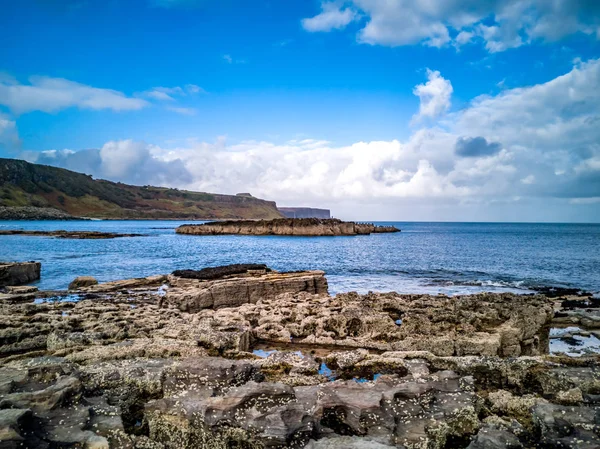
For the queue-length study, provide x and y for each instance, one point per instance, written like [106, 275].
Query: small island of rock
[285, 226]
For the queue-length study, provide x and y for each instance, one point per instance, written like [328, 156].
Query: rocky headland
[285, 226]
[246, 357]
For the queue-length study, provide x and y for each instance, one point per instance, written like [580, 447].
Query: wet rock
[82, 281]
[65, 391]
[212, 273]
[491, 437]
[12, 426]
[16, 273]
[346, 443]
[566, 426]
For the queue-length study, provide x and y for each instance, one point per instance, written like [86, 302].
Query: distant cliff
[26, 187]
[304, 212]
[285, 226]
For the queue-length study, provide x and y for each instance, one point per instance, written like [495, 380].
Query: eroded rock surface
[127, 366]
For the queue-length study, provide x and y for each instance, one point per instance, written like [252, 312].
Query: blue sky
[277, 97]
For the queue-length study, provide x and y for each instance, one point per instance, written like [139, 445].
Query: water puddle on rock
[573, 341]
[65, 298]
[324, 370]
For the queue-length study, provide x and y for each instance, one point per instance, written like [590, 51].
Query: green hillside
[24, 184]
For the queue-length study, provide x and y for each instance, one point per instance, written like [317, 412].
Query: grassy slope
[25, 184]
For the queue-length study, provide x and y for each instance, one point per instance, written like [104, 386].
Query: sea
[447, 258]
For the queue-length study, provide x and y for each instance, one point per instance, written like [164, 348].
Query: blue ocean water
[449, 258]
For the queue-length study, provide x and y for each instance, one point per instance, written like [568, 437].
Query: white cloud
[499, 24]
[537, 144]
[528, 179]
[54, 94]
[228, 59]
[434, 96]
[332, 17]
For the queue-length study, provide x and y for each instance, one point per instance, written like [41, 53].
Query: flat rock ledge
[138, 364]
[61, 234]
[308, 227]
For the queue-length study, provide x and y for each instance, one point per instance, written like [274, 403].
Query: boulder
[82, 281]
[17, 273]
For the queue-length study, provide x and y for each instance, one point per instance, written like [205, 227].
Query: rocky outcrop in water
[126, 366]
[17, 273]
[61, 234]
[285, 226]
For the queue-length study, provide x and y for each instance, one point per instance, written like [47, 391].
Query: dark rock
[12, 426]
[211, 273]
[567, 427]
[491, 437]
[16, 273]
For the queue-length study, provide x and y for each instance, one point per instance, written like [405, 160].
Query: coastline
[167, 360]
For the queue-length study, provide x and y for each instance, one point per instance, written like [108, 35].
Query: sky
[437, 110]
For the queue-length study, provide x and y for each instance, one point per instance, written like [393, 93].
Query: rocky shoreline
[62, 234]
[310, 227]
[246, 357]
[34, 213]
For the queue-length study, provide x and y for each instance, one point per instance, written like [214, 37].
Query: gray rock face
[17, 273]
[268, 414]
[567, 427]
[192, 295]
[490, 437]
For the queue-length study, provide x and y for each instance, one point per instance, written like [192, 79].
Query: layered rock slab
[193, 295]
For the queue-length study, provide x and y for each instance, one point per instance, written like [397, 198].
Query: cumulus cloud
[456, 169]
[54, 94]
[125, 161]
[333, 16]
[434, 96]
[476, 147]
[499, 24]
